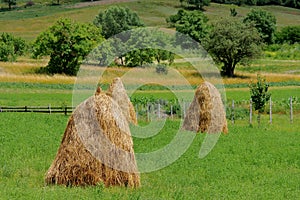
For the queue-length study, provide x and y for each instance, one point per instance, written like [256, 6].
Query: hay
[206, 112]
[118, 93]
[96, 147]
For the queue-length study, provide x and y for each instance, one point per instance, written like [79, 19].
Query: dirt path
[101, 2]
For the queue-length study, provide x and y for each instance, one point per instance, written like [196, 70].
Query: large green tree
[288, 34]
[117, 19]
[264, 22]
[231, 42]
[67, 43]
[191, 23]
[149, 45]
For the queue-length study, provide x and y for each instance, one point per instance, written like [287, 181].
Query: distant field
[29, 22]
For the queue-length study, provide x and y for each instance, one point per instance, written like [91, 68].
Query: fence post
[66, 110]
[171, 111]
[250, 112]
[136, 111]
[232, 112]
[291, 109]
[158, 112]
[25, 108]
[271, 110]
[148, 112]
[49, 107]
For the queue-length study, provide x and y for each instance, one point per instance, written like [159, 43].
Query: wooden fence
[37, 109]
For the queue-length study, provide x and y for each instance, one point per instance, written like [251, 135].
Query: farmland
[251, 162]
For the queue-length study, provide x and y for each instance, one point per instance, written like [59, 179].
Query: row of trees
[199, 4]
[230, 41]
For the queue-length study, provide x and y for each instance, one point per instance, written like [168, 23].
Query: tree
[67, 43]
[264, 22]
[117, 19]
[143, 52]
[11, 47]
[10, 3]
[231, 42]
[259, 95]
[288, 34]
[191, 23]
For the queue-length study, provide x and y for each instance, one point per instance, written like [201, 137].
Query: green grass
[249, 163]
[29, 22]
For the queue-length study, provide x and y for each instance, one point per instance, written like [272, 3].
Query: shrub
[161, 69]
[11, 47]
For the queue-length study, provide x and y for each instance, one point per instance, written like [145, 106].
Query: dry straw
[97, 145]
[206, 112]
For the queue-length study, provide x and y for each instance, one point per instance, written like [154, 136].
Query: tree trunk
[228, 70]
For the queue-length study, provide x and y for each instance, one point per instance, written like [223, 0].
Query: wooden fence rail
[37, 109]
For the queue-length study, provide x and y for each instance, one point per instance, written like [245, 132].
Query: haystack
[206, 112]
[96, 147]
[118, 93]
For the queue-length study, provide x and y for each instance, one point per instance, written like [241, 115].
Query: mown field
[248, 163]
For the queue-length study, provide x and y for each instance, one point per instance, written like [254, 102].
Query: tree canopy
[67, 43]
[191, 23]
[11, 47]
[231, 42]
[117, 19]
[199, 4]
[264, 22]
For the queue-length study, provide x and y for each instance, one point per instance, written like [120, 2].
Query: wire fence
[160, 109]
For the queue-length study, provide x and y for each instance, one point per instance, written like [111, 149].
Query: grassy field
[29, 22]
[249, 163]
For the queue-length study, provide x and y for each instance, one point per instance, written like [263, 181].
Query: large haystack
[206, 113]
[97, 147]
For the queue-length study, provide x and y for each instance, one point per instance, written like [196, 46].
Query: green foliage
[10, 3]
[259, 94]
[67, 43]
[117, 19]
[232, 42]
[288, 3]
[288, 34]
[148, 45]
[191, 23]
[11, 47]
[284, 52]
[264, 22]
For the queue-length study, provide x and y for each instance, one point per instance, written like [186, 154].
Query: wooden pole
[250, 111]
[271, 120]
[158, 112]
[232, 112]
[291, 109]
[171, 111]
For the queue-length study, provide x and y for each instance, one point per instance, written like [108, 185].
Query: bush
[11, 47]
[288, 34]
[161, 69]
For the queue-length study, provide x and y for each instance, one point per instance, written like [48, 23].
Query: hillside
[29, 22]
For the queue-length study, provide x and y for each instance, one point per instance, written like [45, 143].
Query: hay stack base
[97, 145]
[206, 113]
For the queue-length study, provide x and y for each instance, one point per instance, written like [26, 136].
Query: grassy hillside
[29, 22]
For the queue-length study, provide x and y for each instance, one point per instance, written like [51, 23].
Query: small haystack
[97, 146]
[206, 113]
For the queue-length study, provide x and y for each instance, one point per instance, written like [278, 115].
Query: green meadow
[251, 162]
[248, 163]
